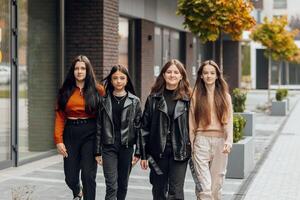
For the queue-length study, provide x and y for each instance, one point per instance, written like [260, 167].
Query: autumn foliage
[207, 19]
[279, 42]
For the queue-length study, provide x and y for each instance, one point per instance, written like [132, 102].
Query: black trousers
[170, 184]
[79, 138]
[116, 168]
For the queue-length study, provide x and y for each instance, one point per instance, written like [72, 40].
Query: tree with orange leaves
[280, 44]
[209, 19]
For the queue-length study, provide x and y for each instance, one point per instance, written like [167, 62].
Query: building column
[145, 56]
[187, 54]
[231, 62]
[39, 54]
[91, 29]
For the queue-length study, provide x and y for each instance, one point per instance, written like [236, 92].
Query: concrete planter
[279, 108]
[241, 159]
[249, 128]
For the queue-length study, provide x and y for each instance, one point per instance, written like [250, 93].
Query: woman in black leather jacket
[165, 135]
[118, 126]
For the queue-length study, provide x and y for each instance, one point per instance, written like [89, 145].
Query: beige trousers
[210, 165]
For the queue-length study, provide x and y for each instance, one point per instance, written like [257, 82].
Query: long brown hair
[202, 107]
[183, 89]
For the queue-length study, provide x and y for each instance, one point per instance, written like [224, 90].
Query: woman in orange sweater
[210, 125]
[75, 127]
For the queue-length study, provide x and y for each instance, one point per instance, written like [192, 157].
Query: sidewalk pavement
[278, 177]
[46, 179]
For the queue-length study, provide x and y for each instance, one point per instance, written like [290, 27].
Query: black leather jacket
[130, 123]
[155, 127]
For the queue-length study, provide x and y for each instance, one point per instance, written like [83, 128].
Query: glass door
[5, 86]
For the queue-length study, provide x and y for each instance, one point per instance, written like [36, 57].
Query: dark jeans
[79, 136]
[116, 168]
[170, 184]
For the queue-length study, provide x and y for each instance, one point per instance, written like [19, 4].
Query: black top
[117, 107]
[169, 96]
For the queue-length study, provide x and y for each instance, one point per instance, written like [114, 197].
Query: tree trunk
[279, 73]
[269, 78]
[287, 72]
[221, 51]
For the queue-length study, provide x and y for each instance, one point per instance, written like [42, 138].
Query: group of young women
[104, 124]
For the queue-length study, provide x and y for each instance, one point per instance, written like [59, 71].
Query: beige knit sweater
[215, 128]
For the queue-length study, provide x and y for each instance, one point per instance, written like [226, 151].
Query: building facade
[283, 74]
[39, 39]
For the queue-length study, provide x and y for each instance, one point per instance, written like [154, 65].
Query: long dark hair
[183, 89]
[202, 107]
[109, 88]
[90, 92]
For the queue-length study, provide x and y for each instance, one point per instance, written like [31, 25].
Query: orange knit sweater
[75, 108]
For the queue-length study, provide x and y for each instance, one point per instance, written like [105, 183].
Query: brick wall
[91, 29]
[145, 55]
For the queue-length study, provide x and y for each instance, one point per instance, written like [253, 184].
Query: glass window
[275, 73]
[38, 75]
[166, 46]
[279, 4]
[195, 60]
[294, 74]
[174, 43]
[123, 41]
[198, 57]
[5, 80]
[258, 17]
[157, 50]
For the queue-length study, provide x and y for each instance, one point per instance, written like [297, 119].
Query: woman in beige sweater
[210, 123]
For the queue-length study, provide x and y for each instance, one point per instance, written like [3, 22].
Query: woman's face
[209, 75]
[119, 81]
[80, 71]
[172, 77]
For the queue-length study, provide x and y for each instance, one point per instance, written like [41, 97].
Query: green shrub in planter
[285, 92]
[239, 124]
[238, 100]
[281, 94]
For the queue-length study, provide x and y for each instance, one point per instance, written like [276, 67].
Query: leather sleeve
[98, 148]
[137, 128]
[146, 127]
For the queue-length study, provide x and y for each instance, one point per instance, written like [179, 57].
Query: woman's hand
[144, 164]
[227, 148]
[62, 149]
[135, 159]
[99, 160]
